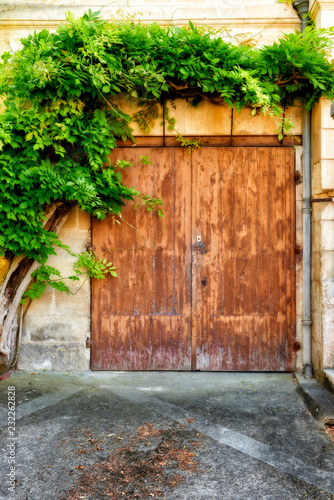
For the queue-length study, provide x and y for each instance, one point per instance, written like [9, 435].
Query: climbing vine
[62, 117]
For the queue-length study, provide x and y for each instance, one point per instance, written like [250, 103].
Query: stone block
[326, 121]
[11, 37]
[299, 310]
[328, 323]
[61, 255]
[246, 124]
[78, 220]
[316, 133]
[54, 357]
[316, 179]
[316, 266]
[327, 235]
[316, 296]
[130, 108]
[327, 143]
[72, 221]
[73, 305]
[65, 266]
[295, 114]
[316, 236]
[299, 158]
[50, 329]
[327, 174]
[299, 360]
[317, 340]
[43, 306]
[328, 295]
[299, 193]
[84, 220]
[317, 356]
[261, 124]
[77, 239]
[206, 119]
[326, 17]
[327, 212]
[327, 265]
[317, 209]
[312, 4]
[299, 222]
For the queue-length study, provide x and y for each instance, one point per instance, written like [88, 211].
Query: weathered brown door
[212, 285]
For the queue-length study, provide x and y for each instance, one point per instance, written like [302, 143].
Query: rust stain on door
[214, 286]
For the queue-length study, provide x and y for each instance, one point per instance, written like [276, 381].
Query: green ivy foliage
[60, 121]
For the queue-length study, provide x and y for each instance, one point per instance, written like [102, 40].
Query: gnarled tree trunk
[14, 284]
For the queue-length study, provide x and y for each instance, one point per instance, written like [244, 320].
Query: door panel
[142, 319]
[212, 285]
[243, 271]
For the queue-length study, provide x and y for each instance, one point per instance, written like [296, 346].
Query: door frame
[254, 141]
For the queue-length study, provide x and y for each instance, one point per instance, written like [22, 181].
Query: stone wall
[323, 217]
[57, 326]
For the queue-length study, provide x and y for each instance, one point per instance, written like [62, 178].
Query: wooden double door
[211, 286]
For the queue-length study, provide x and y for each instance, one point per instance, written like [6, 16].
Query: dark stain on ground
[149, 465]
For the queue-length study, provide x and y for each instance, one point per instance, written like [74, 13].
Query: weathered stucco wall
[56, 327]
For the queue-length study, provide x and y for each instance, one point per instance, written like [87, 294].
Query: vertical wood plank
[228, 160]
[251, 227]
[264, 231]
[240, 230]
[280, 246]
[164, 243]
[206, 297]
[271, 334]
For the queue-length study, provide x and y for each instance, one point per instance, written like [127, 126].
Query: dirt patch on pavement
[330, 431]
[150, 464]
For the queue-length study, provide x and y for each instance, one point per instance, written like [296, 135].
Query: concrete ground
[169, 435]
